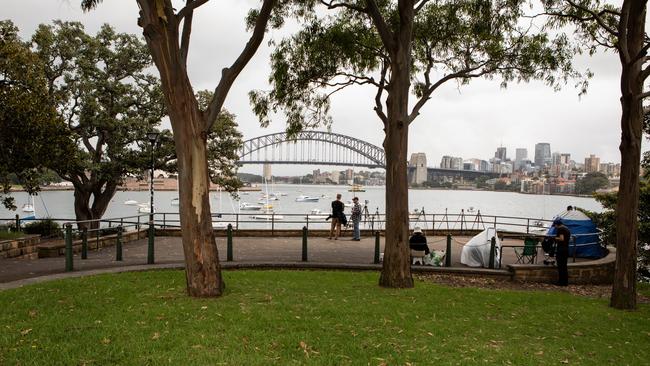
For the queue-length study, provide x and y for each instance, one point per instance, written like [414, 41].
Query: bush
[47, 228]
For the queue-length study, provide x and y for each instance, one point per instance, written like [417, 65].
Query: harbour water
[59, 204]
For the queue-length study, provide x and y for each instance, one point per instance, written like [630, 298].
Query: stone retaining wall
[20, 248]
[596, 272]
[56, 249]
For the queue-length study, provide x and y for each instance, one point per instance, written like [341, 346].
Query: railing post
[122, 223]
[575, 248]
[138, 222]
[229, 243]
[118, 245]
[527, 226]
[68, 247]
[84, 243]
[448, 252]
[493, 243]
[495, 222]
[273, 224]
[237, 221]
[164, 220]
[307, 225]
[304, 243]
[17, 222]
[377, 247]
[150, 244]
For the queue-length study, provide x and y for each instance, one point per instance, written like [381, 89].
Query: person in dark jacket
[418, 241]
[337, 217]
[562, 237]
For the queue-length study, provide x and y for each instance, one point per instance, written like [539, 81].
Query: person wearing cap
[356, 219]
[562, 236]
[418, 241]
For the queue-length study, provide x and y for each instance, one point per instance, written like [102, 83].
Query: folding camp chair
[417, 256]
[527, 254]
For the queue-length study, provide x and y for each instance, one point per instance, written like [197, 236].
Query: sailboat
[29, 208]
[267, 212]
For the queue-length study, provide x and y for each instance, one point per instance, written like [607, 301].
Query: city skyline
[468, 121]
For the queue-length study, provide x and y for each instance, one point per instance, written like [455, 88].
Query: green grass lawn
[8, 235]
[310, 317]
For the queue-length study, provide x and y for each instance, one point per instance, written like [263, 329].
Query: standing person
[562, 237]
[356, 218]
[337, 214]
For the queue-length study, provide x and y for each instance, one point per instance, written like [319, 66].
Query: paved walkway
[246, 250]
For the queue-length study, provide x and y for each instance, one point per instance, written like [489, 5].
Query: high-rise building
[500, 153]
[451, 162]
[592, 164]
[266, 169]
[521, 155]
[335, 176]
[542, 154]
[419, 161]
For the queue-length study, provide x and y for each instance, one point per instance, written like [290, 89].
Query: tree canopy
[30, 126]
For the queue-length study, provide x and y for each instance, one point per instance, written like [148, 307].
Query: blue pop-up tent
[585, 232]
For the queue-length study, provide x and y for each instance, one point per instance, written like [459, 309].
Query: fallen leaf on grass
[25, 331]
[155, 336]
[106, 341]
[565, 361]
[539, 353]
[33, 313]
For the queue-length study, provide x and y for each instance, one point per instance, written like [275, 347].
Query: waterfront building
[419, 162]
[592, 164]
[542, 154]
[451, 162]
[610, 169]
[335, 176]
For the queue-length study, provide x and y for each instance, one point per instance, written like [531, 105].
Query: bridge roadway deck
[245, 250]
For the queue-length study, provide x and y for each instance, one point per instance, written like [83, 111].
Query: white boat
[471, 209]
[307, 199]
[131, 202]
[267, 216]
[245, 206]
[316, 214]
[176, 202]
[220, 225]
[416, 214]
[356, 188]
[144, 208]
[28, 207]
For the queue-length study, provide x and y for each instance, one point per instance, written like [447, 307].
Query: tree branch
[188, 9]
[382, 28]
[622, 32]
[419, 6]
[228, 75]
[596, 16]
[187, 29]
[380, 89]
[331, 5]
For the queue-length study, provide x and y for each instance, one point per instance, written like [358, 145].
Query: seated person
[418, 241]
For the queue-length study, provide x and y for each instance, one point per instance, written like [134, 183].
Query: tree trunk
[82, 210]
[396, 269]
[202, 269]
[624, 286]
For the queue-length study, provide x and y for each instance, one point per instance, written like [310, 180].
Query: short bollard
[118, 245]
[448, 252]
[150, 245]
[68, 248]
[84, 243]
[493, 244]
[304, 243]
[377, 247]
[229, 243]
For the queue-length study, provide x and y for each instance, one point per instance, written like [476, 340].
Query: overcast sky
[470, 121]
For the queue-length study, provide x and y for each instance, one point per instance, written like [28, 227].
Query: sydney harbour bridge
[327, 148]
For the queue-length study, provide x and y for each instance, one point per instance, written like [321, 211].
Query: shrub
[46, 228]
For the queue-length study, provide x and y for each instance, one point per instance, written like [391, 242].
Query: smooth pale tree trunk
[624, 287]
[396, 269]
[202, 269]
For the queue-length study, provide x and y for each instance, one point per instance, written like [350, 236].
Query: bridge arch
[359, 153]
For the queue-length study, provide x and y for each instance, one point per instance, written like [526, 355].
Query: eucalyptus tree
[167, 32]
[406, 50]
[106, 100]
[623, 30]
